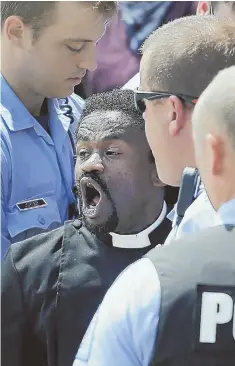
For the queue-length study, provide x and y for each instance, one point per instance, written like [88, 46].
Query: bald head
[214, 137]
[215, 110]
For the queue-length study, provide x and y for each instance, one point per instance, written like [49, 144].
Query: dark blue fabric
[142, 18]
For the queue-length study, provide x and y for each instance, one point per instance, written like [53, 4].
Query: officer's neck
[222, 188]
[32, 101]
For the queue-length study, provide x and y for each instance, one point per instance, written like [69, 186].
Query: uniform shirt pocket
[30, 222]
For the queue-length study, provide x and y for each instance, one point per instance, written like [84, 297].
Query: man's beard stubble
[112, 220]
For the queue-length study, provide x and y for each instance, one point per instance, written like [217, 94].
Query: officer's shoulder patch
[214, 320]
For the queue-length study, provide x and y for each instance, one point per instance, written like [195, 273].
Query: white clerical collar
[140, 240]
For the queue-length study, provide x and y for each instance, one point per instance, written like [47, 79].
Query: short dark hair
[38, 14]
[116, 100]
[184, 56]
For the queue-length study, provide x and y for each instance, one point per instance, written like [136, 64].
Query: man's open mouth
[91, 196]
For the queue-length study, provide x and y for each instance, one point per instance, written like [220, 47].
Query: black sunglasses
[141, 95]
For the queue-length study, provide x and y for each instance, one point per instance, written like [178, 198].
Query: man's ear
[216, 148]
[14, 28]
[177, 116]
[203, 8]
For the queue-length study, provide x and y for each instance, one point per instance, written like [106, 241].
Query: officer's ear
[14, 29]
[203, 8]
[177, 116]
[216, 153]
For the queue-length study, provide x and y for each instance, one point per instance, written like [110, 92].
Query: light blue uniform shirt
[124, 329]
[199, 215]
[34, 165]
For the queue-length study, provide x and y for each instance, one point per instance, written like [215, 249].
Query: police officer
[46, 49]
[176, 306]
[196, 211]
[200, 214]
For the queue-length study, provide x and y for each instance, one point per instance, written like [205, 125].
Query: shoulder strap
[68, 112]
[189, 184]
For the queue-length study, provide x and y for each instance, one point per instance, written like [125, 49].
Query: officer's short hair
[216, 106]
[183, 56]
[116, 100]
[39, 14]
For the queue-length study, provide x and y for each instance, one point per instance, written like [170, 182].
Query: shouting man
[53, 283]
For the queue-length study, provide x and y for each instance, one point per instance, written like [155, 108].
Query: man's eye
[83, 154]
[112, 152]
[75, 50]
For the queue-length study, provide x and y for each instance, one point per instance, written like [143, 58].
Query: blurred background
[118, 52]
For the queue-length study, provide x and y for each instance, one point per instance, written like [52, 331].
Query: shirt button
[41, 220]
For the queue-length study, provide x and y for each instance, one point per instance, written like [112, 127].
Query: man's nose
[93, 164]
[88, 59]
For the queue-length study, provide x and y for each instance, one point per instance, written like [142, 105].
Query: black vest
[197, 313]
[52, 285]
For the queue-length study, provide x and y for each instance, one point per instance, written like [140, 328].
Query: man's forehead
[103, 125]
[80, 22]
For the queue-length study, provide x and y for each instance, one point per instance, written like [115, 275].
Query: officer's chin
[61, 93]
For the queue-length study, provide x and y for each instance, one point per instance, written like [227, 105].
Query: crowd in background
[118, 51]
